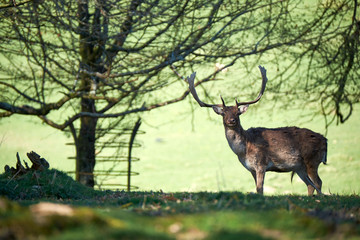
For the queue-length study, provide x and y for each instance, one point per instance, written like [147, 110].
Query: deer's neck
[236, 138]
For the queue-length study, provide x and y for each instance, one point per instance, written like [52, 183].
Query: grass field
[50, 205]
[191, 185]
[183, 216]
[192, 153]
[188, 152]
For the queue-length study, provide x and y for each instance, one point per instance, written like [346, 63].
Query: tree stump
[38, 163]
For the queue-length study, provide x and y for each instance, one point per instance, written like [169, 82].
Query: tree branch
[15, 4]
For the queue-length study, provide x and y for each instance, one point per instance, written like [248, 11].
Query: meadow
[191, 185]
[50, 205]
[190, 153]
[184, 149]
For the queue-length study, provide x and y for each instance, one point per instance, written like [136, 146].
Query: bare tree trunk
[85, 150]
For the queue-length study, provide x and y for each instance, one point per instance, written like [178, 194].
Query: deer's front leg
[260, 175]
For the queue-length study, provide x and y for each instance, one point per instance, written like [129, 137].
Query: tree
[85, 65]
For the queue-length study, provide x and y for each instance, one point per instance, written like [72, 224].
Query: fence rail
[102, 177]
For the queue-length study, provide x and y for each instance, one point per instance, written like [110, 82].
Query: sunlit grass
[184, 151]
[191, 153]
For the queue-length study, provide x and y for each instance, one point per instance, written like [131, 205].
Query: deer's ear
[218, 110]
[243, 108]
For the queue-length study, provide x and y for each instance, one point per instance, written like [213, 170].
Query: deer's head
[230, 114]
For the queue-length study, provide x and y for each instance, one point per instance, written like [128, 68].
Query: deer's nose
[232, 121]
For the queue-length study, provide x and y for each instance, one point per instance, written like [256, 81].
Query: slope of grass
[43, 184]
[83, 213]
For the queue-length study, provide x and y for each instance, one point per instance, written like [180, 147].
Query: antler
[264, 81]
[190, 80]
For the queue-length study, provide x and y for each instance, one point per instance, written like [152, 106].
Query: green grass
[184, 151]
[205, 190]
[188, 152]
[23, 134]
[78, 212]
[207, 216]
[48, 184]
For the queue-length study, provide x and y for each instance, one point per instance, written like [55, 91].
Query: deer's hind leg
[312, 172]
[306, 179]
[259, 176]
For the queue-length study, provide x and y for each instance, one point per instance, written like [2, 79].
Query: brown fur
[287, 149]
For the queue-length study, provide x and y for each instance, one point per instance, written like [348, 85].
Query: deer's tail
[292, 175]
[324, 158]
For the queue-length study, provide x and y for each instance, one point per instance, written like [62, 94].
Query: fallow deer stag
[286, 149]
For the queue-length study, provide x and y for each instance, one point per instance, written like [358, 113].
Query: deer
[284, 149]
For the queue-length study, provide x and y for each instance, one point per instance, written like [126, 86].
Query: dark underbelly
[275, 169]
